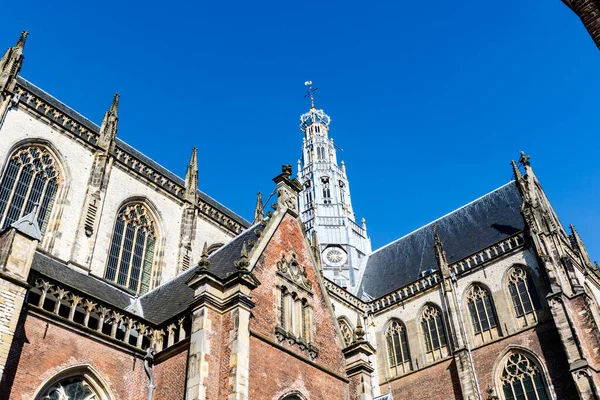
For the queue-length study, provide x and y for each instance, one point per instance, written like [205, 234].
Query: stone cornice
[87, 131]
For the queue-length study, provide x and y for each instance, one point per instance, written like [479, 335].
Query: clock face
[335, 256]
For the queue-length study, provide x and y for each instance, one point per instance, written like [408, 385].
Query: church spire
[110, 124]
[580, 246]
[11, 63]
[258, 210]
[191, 177]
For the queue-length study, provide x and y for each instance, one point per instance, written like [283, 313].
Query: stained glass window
[522, 379]
[397, 346]
[69, 389]
[481, 309]
[31, 177]
[433, 328]
[132, 248]
[523, 293]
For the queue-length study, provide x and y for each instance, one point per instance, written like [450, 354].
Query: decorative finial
[110, 124]
[21, 42]
[204, 261]
[191, 177]
[242, 264]
[524, 160]
[310, 93]
[258, 209]
[286, 169]
[359, 332]
[440, 254]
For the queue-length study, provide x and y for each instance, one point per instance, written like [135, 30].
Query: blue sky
[430, 101]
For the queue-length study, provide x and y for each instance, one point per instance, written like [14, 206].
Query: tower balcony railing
[321, 165]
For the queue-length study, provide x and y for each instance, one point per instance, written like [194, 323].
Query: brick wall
[47, 349]
[439, 381]
[272, 370]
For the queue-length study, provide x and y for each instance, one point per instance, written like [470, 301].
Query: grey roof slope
[463, 232]
[174, 296]
[126, 147]
[81, 282]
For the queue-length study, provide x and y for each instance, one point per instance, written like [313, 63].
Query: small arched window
[31, 177]
[70, 389]
[523, 293]
[132, 248]
[522, 379]
[397, 346]
[433, 328]
[346, 331]
[481, 310]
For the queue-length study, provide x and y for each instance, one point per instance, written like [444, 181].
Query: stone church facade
[120, 280]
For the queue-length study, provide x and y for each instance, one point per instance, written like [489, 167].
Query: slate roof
[174, 296]
[86, 284]
[126, 147]
[463, 232]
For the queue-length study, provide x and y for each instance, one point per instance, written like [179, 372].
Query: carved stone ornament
[287, 199]
[294, 271]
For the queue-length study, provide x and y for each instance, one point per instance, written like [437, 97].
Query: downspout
[148, 361]
[464, 332]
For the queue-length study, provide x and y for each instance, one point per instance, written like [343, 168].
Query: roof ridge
[94, 125]
[440, 218]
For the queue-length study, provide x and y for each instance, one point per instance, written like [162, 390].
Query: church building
[120, 280]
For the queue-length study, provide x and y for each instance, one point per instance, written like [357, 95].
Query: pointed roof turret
[110, 124]
[359, 332]
[258, 210]
[580, 246]
[204, 261]
[191, 177]
[243, 263]
[11, 63]
[28, 225]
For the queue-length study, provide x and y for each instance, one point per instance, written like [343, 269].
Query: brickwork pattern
[48, 349]
[269, 377]
[589, 12]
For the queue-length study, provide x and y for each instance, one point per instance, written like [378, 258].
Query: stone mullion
[89, 307]
[26, 196]
[181, 329]
[171, 333]
[119, 258]
[12, 193]
[44, 287]
[142, 262]
[133, 243]
[75, 302]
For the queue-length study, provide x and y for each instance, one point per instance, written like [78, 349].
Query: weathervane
[310, 93]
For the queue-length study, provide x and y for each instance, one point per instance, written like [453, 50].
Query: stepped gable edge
[465, 231]
[43, 103]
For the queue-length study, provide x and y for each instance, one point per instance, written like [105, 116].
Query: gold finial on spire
[310, 93]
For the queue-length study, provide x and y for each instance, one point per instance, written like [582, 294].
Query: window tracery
[481, 309]
[70, 389]
[522, 379]
[433, 328]
[397, 346]
[132, 248]
[347, 333]
[522, 291]
[31, 177]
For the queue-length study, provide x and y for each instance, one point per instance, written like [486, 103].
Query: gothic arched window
[70, 389]
[346, 331]
[132, 248]
[481, 310]
[522, 379]
[433, 328]
[326, 193]
[397, 346]
[523, 293]
[31, 177]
